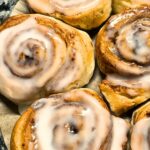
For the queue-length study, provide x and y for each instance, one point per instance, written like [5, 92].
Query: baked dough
[119, 6]
[41, 55]
[141, 128]
[79, 116]
[123, 55]
[84, 14]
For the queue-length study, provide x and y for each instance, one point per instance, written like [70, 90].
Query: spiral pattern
[37, 53]
[123, 46]
[74, 120]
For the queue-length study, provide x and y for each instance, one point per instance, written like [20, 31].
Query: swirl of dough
[124, 44]
[36, 55]
[77, 120]
[123, 55]
[76, 13]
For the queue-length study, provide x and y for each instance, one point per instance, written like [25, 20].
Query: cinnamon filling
[31, 53]
[132, 42]
[69, 123]
[128, 50]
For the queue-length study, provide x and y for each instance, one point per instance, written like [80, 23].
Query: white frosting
[116, 19]
[91, 119]
[119, 134]
[9, 84]
[55, 60]
[142, 38]
[141, 81]
[67, 7]
[132, 49]
[134, 37]
[140, 134]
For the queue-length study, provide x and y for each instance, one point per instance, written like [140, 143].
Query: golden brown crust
[122, 5]
[21, 135]
[119, 6]
[99, 99]
[85, 20]
[77, 45]
[107, 50]
[141, 113]
[124, 62]
[121, 98]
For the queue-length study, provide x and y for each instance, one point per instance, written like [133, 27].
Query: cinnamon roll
[119, 6]
[123, 54]
[40, 55]
[84, 14]
[75, 120]
[140, 139]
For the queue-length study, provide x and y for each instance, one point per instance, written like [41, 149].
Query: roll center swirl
[28, 50]
[31, 53]
[133, 42]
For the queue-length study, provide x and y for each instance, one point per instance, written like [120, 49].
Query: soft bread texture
[41, 52]
[119, 6]
[123, 61]
[70, 115]
[86, 14]
[78, 116]
[121, 98]
[114, 52]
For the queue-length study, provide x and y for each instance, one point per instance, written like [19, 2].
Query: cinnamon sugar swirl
[76, 120]
[40, 55]
[123, 54]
